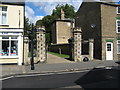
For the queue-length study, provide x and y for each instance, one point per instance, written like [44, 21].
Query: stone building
[100, 21]
[61, 32]
[11, 32]
[41, 48]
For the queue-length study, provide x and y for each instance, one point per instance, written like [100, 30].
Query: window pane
[118, 42]
[6, 37]
[14, 48]
[118, 9]
[5, 48]
[118, 48]
[108, 47]
[118, 29]
[118, 23]
[3, 18]
[4, 8]
[13, 37]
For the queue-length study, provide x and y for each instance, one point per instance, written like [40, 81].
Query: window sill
[118, 13]
[4, 57]
[118, 32]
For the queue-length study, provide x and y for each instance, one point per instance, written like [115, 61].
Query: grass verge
[59, 55]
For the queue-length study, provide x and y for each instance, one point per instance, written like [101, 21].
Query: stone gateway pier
[75, 43]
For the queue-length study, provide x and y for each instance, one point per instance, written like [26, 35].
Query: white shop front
[11, 48]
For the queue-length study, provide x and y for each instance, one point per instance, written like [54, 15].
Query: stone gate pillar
[26, 50]
[91, 48]
[77, 44]
[41, 48]
[71, 48]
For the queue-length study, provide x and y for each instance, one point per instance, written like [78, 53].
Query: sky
[37, 9]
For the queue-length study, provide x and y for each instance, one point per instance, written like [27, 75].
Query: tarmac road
[95, 78]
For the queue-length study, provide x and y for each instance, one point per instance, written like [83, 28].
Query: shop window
[3, 15]
[8, 46]
[14, 46]
[5, 48]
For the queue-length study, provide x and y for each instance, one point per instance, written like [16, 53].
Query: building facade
[100, 21]
[61, 31]
[11, 32]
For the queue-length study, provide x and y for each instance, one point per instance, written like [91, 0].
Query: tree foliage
[28, 26]
[68, 10]
[56, 14]
[39, 23]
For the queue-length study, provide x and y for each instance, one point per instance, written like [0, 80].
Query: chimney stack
[62, 14]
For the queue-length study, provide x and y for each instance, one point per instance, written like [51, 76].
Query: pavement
[53, 65]
[55, 59]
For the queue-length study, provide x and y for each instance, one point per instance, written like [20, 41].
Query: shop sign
[6, 33]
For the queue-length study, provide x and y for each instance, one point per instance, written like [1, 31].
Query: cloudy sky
[37, 9]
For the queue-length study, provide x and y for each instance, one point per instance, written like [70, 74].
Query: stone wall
[60, 48]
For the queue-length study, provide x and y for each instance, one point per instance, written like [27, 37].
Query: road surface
[95, 78]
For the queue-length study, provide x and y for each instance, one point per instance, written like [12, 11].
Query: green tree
[56, 14]
[27, 26]
[68, 9]
[29, 33]
[47, 21]
[39, 23]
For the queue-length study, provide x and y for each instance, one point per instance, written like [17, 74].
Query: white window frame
[1, 12]
[117, 26]
[117, 10]
[117, 46]
[10, 40]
